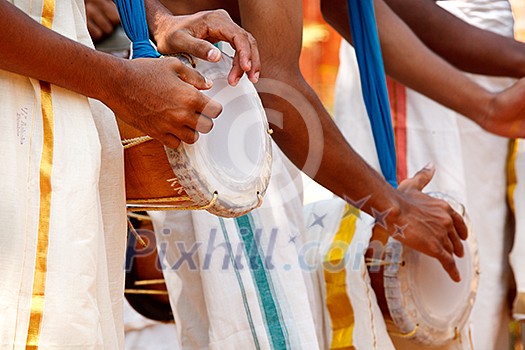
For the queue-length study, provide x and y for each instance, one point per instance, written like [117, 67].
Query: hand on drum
[161, 98]
[506, 112]
[429, 225]
[194, 34]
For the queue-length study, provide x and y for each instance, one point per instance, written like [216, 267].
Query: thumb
[420, 179]
[199, 48]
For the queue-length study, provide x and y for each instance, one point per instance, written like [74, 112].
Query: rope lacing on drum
[260, 200]
[405, 335]
[174, 181]
[132, 208]
[146, 291]
[139, 217]
[149, 282]
[135, 233]
[379, 262]
[128, 143]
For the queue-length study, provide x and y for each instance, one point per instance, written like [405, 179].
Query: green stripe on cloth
[272, 314]
[241, 284]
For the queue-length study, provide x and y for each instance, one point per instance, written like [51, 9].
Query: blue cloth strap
[133, 19]
[373, 83]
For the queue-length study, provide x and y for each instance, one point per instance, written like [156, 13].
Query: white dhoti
[352, 317]
[516, 192]
[239, 283]
[62, 207]
[517, 202]
[471, 163]
[145, 334]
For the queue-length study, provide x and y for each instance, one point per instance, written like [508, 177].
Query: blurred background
[320, 54]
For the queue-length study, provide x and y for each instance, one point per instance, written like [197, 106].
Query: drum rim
[402, 306]
[196, 185]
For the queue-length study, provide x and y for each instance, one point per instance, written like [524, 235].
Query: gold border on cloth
[337, 299]
[46, 165]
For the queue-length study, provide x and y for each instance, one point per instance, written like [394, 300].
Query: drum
[417, 297]
[225, 172]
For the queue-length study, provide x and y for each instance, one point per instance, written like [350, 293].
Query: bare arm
[147, 94]
[409, 61]
[26, 48]
[467, 47]
[413, 64]
[309, 133]
[306, 133]
[302, 126]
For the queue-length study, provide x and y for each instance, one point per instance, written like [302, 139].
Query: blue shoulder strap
[133, 19]
[373, 83]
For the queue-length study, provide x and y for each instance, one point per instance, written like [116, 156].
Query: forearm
[156, 15]
[307, 134]
[463, 45]
[302, 127]
[30, 49]
[413, 64]
[467, 47]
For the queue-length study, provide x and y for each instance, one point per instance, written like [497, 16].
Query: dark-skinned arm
[148, 94]
[467, 47]
[306, 133]
[410, 62]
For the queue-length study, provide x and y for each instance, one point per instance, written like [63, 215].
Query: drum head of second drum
[425, 304]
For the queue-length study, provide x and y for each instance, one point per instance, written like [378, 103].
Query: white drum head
[234, 159]
[424, 303]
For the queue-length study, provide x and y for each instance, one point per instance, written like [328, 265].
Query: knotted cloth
[133, 19]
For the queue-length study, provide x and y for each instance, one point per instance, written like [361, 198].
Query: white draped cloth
[344, 287]
[517, 201]
[145, 334]
[471, 163]
[62, 208]
[241, 283]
